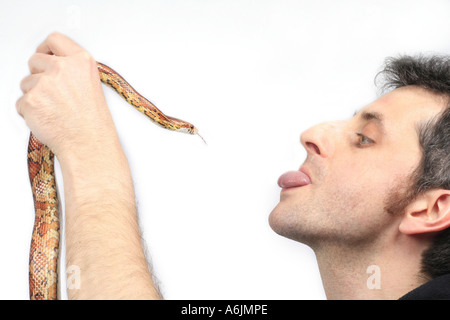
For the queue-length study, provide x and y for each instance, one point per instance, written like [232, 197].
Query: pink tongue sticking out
[293, 179]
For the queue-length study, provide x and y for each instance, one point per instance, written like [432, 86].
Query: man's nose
[321, 139]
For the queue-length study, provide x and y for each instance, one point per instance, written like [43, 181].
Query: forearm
[102, 232]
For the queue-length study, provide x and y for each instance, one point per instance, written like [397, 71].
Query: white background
[251, 75]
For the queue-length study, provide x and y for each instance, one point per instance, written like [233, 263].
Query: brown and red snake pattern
[44, 250]
[45, 239]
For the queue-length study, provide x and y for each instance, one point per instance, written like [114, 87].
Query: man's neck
[371, 272]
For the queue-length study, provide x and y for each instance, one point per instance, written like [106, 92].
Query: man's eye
[363, 140]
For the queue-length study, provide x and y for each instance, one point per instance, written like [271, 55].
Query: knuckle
[86, 58]
[25, 103]
[29, 100]
[23, 84]
[30, 60]
[54, 36]
[19, 108]
[85, 55]
[87, 62]
[57, 65]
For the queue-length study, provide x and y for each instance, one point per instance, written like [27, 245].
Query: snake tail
[44, 249]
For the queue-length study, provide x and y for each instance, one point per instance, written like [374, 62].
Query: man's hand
[63, 102]
[64, 106]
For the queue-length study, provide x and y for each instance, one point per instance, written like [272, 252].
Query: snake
[45, 240]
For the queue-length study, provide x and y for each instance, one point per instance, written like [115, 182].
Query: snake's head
[186, 127]
[193, 130]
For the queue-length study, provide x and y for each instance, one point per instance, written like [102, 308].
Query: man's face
[354, 166]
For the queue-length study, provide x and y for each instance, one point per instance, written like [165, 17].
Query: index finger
[59, 45]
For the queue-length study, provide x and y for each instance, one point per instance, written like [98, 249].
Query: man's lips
[292, 179]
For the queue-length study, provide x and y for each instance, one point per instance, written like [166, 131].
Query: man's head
[384, 170]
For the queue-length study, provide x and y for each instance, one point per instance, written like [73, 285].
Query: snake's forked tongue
[201, 137]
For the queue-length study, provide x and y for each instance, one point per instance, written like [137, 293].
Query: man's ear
[429, 212]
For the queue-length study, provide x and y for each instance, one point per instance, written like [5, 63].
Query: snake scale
[44, 249]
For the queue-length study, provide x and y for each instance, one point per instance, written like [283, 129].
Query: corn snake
[44, 249]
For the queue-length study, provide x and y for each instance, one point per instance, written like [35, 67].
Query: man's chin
[283, 223]
[296, 222]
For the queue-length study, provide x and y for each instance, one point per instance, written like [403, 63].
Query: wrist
[94, 172]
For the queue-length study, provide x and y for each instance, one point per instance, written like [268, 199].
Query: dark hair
[433, 172]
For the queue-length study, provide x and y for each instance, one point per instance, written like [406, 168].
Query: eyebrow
[376, 117]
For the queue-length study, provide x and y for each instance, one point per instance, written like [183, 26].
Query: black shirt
[436, 289]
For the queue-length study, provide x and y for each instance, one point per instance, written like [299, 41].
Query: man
[373, 193]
